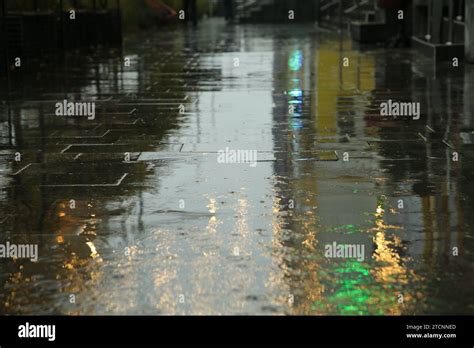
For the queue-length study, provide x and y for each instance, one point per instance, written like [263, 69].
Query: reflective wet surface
[134, 214]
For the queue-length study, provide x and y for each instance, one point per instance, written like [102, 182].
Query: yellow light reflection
[94, 254]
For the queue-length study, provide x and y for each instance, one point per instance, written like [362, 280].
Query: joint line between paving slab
[67, 148]
[118, 183]
[22, 169]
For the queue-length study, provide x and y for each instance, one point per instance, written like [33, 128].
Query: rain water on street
[134, 213]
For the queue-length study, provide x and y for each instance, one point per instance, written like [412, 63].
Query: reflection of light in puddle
[89, 229]
[296, 123]
[94, 254]
[164, 277]
[391, 269]
[212, 206]
[310, 240]
[242, 220]
[212, 225]
[380, 223]
[380, 212]
[213, 221]
[296, 60]
[296, 93]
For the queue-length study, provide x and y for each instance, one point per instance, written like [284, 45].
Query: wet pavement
[133, 212]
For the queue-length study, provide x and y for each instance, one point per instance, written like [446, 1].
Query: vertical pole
[429, 20]
[450, 22]
[437, 17]
[459, 16]
[340, 15]
[469, 31]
